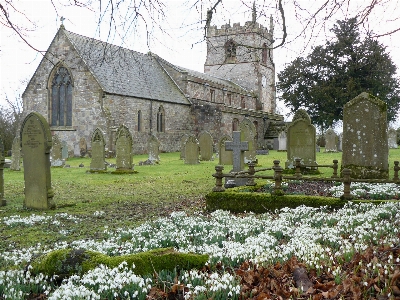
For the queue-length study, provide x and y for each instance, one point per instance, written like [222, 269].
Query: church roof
[126, 72]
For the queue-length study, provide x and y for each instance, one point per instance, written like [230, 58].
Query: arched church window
[61, 98]
[264, 54]
[139, 121]
[235, 124]
[161, 119]
[230, 50]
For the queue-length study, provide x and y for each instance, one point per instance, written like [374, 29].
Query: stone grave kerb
[238, 148]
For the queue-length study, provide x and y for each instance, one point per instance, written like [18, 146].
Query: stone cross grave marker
[206, 146]
[225, 157]
[123, 148]
[153, 146]
[331, 139]
[16, 154]
[64, 150]
[192, 151]
[365, 141]
[98, 151]
[237, 147]
[36, 142]
[56, 154]
[3, 202]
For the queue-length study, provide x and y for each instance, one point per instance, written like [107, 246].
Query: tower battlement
[236, 28]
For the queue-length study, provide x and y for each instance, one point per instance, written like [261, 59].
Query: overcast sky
[181, 41]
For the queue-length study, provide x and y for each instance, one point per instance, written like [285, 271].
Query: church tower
[243, 54]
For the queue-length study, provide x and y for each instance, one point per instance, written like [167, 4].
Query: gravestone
[123, 148]
[206, 146]
[331, 141]
[64, 150]
[3, 202]
[98, 163]
[365, 142]
[16, 155]
[182, 146]
[82, 147]
[36, 142]
[282, 141]
[225, 157]
[392, 138]
[191, 151]
[56, 153]
[238, 149]
[301, 141]
[339, 143]
[77, 151]
[276, 144]
[248, 133]
[153, 146]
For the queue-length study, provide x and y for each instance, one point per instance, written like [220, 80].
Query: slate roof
[126, 72]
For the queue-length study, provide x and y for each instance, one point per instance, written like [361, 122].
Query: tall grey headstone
[123, 148]
[301, 138]
[192, 151]
[248, 133]
[365, 141]
[153, 146]
[331, 141]
[56, 153]
[36, 142]
[392, 138]
[182, 146]
[64, 150]
[16, 155]
[206, 146]
[98, 143]
[225, 157]
[3, 201]
[282, 141]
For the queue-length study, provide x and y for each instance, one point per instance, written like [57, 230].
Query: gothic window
[61, 98]
[264, 54]
[161, 119]
[229, 99]
[139, 121]
[230, 50]
[235, 124]
[212, 95]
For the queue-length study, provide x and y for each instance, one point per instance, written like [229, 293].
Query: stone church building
[83, 83]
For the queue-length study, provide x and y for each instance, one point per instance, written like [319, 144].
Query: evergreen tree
[337, 72]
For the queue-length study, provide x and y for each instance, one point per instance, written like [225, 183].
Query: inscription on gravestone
[36, 142]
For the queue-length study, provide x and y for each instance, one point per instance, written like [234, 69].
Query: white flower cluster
[374, 191]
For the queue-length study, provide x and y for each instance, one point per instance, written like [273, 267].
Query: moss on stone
[67, 262]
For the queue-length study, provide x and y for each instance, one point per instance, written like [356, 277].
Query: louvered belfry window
[61, 98]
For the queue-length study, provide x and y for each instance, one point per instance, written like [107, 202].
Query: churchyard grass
[119, 214]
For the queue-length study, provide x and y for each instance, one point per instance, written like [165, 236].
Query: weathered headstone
[16, 155]
[301, 141]
[64, 150]
[206, 146]
[282, 141]
[56, 154]
[365, 141]
[192, 151]
[98, 143]
[123, 149]
[182, 146]
[331, 141]
[153, 146]
[225, 157]
[238, 149]
[77, 151]
[392, 138]
[339, 143]
[276, 144]
[82, 147]
[248, 133]
[3, 202]
[36, 142]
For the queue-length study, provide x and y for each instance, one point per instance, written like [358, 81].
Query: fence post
[396, 171]
[298, 169]
[218, 179]
[278, 178]
[335, 168]
[346, 184]
[252, 171]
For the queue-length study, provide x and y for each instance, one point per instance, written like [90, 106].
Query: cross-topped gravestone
[2, 200]
[237, 147]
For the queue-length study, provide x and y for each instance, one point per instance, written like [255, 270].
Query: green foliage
[337, 72]
[66, 262]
